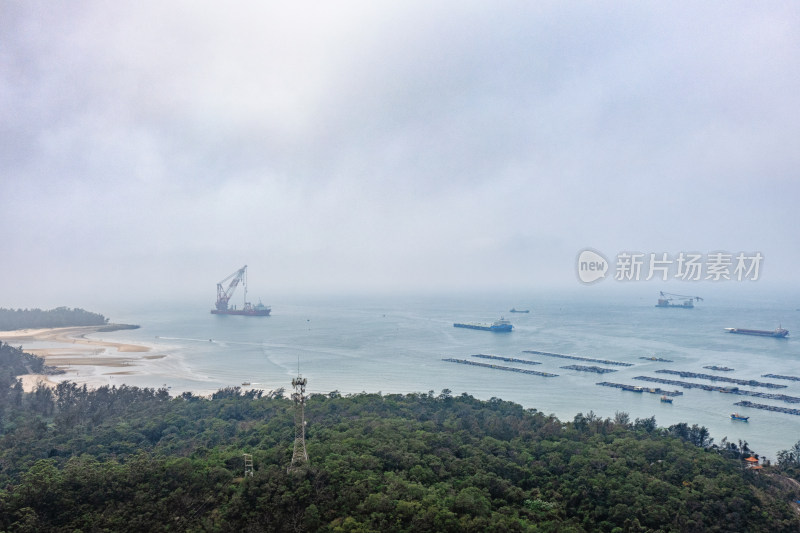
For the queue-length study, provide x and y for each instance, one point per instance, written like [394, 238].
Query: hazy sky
[150, 149]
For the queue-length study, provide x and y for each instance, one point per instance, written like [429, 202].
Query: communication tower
[248, 465]
[299, 455]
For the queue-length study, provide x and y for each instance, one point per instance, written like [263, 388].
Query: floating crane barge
[224, 295]
[677, 300]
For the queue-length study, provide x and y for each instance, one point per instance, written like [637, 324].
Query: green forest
[136, 459]
[11, 319]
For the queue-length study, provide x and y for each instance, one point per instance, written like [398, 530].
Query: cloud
[389, 145]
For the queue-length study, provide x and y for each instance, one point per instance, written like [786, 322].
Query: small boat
[245, 383]
[666, 399]
[737, 416]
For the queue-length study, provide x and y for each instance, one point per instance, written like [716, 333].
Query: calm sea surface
[396, 345]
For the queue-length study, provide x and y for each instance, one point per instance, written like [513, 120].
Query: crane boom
[224, 294]
[681, 296]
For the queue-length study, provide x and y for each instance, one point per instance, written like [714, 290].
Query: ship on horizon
[224, 295]
[778, 333]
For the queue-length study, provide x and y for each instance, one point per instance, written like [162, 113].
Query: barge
[497, 326]
[778, 333]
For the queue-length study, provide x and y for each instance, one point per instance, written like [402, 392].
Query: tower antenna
[299, 455]
[248, 465]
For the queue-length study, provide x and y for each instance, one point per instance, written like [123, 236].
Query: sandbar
[73, 350]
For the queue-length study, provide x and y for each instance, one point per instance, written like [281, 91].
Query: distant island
[60, 317]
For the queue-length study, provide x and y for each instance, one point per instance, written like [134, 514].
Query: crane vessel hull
[244, 312]
[684, 305]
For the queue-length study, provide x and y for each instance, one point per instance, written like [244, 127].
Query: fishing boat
[666, 399]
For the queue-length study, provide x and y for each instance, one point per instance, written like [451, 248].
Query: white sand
[78, 357]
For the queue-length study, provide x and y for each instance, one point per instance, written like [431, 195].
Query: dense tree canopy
[11, 319]
[133, 459]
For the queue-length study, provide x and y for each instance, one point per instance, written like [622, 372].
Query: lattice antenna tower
[248, 465]
[299, 455]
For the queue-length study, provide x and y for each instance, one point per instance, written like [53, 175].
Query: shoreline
[69, 350]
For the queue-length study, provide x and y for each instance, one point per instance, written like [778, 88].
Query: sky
[150, 149]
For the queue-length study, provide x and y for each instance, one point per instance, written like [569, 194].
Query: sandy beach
[69, 350]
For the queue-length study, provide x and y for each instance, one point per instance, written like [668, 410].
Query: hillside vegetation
[132, 459]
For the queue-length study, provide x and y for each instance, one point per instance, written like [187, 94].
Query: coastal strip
[775, 408]
[711, 377]
[500, 367]
[578, 358]
[77, 352]
[635, 388]
[726, 390]
[584, 368]
[506, 359]
[72, 335]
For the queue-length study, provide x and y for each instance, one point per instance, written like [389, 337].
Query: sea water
[397, 345]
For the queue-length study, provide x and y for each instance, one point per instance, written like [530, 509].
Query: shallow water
[397, 345]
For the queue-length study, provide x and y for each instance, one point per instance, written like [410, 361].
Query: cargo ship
[778, 333]
[514, 310]
[224, 295]
[737, 416]
[498, 326]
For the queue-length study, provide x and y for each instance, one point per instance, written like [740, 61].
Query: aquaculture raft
[500, 367]
[659, 359]
[727, 390]
[578, 358]
[635, 388]
[712, 377]
[584, 368]
[775, 408]
[778, 376]
[506, 359]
